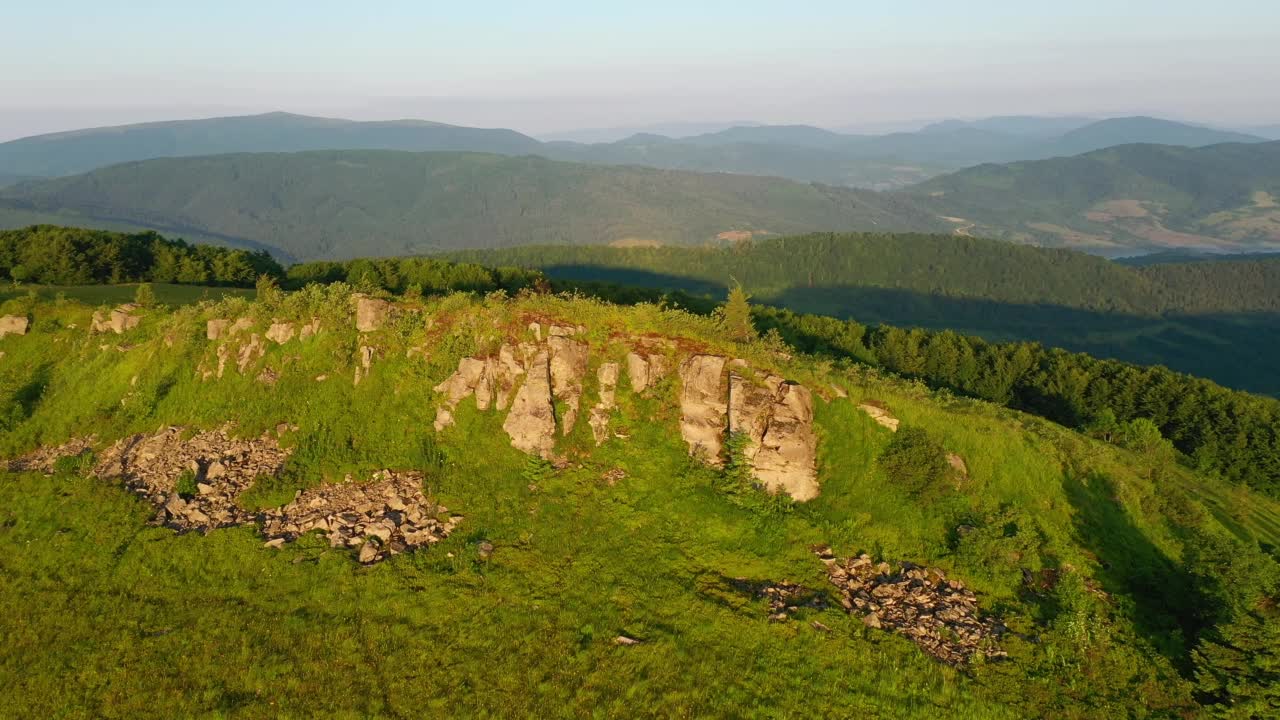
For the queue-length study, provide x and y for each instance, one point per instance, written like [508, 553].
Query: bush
[916, 462]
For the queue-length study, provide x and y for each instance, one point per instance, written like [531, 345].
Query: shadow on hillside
[1159, 596]
[1235, 350]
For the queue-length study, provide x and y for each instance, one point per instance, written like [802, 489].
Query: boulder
[786, 459]
[240, 325]
[117, 321]
[249, 352]
[607, 376]
[531, 424]
[311, 328]
[645, 370]
[371, 313]
[568, 368]
[14, 325]
[365, 359]
[215, 329]
[280, 333]
[881, 415]
[703, 406]
[461, 384]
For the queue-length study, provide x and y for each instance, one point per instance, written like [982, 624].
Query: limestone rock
[118, 321]
[14, 325]
[881, 415]
[568, 368]
[240, 325]
[371, 313]
[215, 329]
[280, 333]
[311, 328]
[607, 376]
[645, 370]
[788, 451]
[365, 358]
[531, 424]
[703, 406]
[250, 351]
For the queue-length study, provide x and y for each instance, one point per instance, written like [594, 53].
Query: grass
[109, 617]
[165, 293]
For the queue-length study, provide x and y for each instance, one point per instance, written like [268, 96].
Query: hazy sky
[544, 65]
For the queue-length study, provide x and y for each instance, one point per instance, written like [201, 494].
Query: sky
[546, 66]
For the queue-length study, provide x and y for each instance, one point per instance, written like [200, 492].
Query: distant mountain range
[796, 152]
[1124, 200]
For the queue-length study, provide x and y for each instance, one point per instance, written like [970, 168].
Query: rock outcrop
[281, 332]
[703, 406]
[371, 313]
[215, 329]
[645, 370]
[607, 376]
[568, 368]
[939, 615]
[880, 414]
[787, 456]
[14, 325]
[118, 321]
[531, 423]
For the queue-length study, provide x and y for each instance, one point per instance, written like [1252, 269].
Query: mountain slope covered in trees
[345, 204]
[1224, 197]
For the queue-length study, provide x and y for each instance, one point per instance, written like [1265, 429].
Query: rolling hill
[343, 204]
[79, 151]
[1145, 196]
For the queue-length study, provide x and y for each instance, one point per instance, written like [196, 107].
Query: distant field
[115, 294]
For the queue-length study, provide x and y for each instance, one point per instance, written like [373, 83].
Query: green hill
[367, 203]
[1134, 196]
[1140, 130]
[79, 151]
[436, 544]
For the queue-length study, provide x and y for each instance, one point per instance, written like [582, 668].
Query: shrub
[916, 462]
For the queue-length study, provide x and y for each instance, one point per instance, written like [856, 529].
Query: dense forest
[52, 255]
[419, 275]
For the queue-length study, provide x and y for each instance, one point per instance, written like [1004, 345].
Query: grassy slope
[369, 203]
[108, 617]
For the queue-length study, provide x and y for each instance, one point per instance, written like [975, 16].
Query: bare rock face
[881, 415]
[371, 313]
[117, 321]
[568, 368]
[280, 333]
[250, 351]
[531, 424]
[216, 329]
[645, 370]
[14, 325]
[461, 384]
[491, 380]
[607, 376]
[240, 325]
[788, 451]
[703, 406]
[311, 328]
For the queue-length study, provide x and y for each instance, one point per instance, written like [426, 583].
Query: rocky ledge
[939, 615]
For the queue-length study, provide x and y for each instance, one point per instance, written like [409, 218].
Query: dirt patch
[1264, 200]
[1071, 237]
[1112, 210]
[740, 235]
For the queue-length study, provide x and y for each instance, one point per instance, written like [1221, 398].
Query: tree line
[54, 255]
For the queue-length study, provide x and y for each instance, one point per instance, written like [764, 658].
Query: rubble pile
[939, 615]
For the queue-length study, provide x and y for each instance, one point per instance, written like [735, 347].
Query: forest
[53, 255]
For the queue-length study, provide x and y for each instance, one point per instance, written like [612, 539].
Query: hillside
[521, 469]
[1133, 196]
[369, 203]
[79, 151]
[1184, 317]
[1140, 130]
